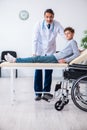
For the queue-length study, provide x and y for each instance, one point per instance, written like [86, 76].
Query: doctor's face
[48, 18]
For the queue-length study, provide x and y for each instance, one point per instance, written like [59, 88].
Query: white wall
[16, 34]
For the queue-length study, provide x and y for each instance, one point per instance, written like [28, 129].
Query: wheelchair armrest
[78, 66]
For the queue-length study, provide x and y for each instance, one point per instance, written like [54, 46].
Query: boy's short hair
[49, 11]
[69, 29]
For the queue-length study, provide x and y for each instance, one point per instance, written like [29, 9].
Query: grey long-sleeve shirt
[70, 52]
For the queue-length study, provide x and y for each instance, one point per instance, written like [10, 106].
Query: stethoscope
[43, 26]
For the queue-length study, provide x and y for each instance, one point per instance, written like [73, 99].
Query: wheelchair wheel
[79, 93]
[59, 105]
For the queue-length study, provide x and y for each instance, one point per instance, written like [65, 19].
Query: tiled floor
[27, 114]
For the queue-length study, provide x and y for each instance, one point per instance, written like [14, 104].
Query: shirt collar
[44, 25]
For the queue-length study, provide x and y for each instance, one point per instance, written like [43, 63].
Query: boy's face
[48, 18]
[68, 34]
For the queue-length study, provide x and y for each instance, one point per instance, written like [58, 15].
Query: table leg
[13, 97]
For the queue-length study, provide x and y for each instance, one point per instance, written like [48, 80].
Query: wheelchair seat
[75, 71]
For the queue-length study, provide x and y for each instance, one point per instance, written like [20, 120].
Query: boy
[70, 52]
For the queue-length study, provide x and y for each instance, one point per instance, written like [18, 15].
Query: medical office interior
[16, 35]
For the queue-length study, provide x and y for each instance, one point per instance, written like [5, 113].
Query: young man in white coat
[44, 43]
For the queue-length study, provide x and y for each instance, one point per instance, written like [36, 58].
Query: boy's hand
[62, 61]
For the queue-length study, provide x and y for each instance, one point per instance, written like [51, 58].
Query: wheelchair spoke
[79, 93]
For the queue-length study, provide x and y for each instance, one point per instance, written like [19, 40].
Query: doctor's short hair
[49, 11]
[69, 29]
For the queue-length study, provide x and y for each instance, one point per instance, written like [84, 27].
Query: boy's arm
[76, 52]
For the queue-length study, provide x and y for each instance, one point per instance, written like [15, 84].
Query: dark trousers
[38, 81]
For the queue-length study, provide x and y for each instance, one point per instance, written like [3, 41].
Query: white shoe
[10, 58]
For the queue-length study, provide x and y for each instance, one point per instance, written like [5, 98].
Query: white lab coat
[44, 41]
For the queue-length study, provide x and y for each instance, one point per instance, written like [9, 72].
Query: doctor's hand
[34, 54]
[61, 61]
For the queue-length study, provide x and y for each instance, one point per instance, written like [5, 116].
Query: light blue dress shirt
[70, 52]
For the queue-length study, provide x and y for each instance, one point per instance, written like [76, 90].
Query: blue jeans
[38, 81]
[38, 59]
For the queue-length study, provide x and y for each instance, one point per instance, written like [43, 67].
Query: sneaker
[47, 96]
[10, 58]
[37, 98]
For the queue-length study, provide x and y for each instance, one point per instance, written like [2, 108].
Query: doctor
[44, 43]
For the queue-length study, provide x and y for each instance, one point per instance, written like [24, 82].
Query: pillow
[81, 58]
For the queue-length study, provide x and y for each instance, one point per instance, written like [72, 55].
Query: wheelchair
[76, 76]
